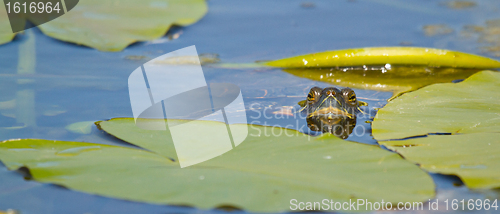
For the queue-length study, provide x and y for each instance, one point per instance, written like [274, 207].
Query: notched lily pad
[473, 157]
[110, 25]
[469, 110]
[471, 106]
[262, 174]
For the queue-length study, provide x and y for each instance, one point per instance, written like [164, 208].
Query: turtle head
[330, 107]
[331, 102]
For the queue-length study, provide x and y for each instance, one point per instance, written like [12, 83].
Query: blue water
[74, 83]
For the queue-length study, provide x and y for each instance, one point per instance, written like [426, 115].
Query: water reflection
[25, 95]
[339, 126]
[390, 78]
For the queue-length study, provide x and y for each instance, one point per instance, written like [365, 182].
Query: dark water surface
[74, 83]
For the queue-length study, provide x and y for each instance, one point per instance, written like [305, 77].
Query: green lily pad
[109, 25]
[83, 127]
[262, 174]
[468, 110]
[6, 34]
[126, 130]
[472, 157]
[471, 106]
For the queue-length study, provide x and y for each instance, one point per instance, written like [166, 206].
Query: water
[71, 83]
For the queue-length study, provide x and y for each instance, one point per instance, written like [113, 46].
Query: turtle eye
[311, 96]
[352, 98]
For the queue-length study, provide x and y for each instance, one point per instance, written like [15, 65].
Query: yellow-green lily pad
[110, 25]
[397, 80]
[468, 111]
[429, 57]
[394, 69]
[262, 174]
